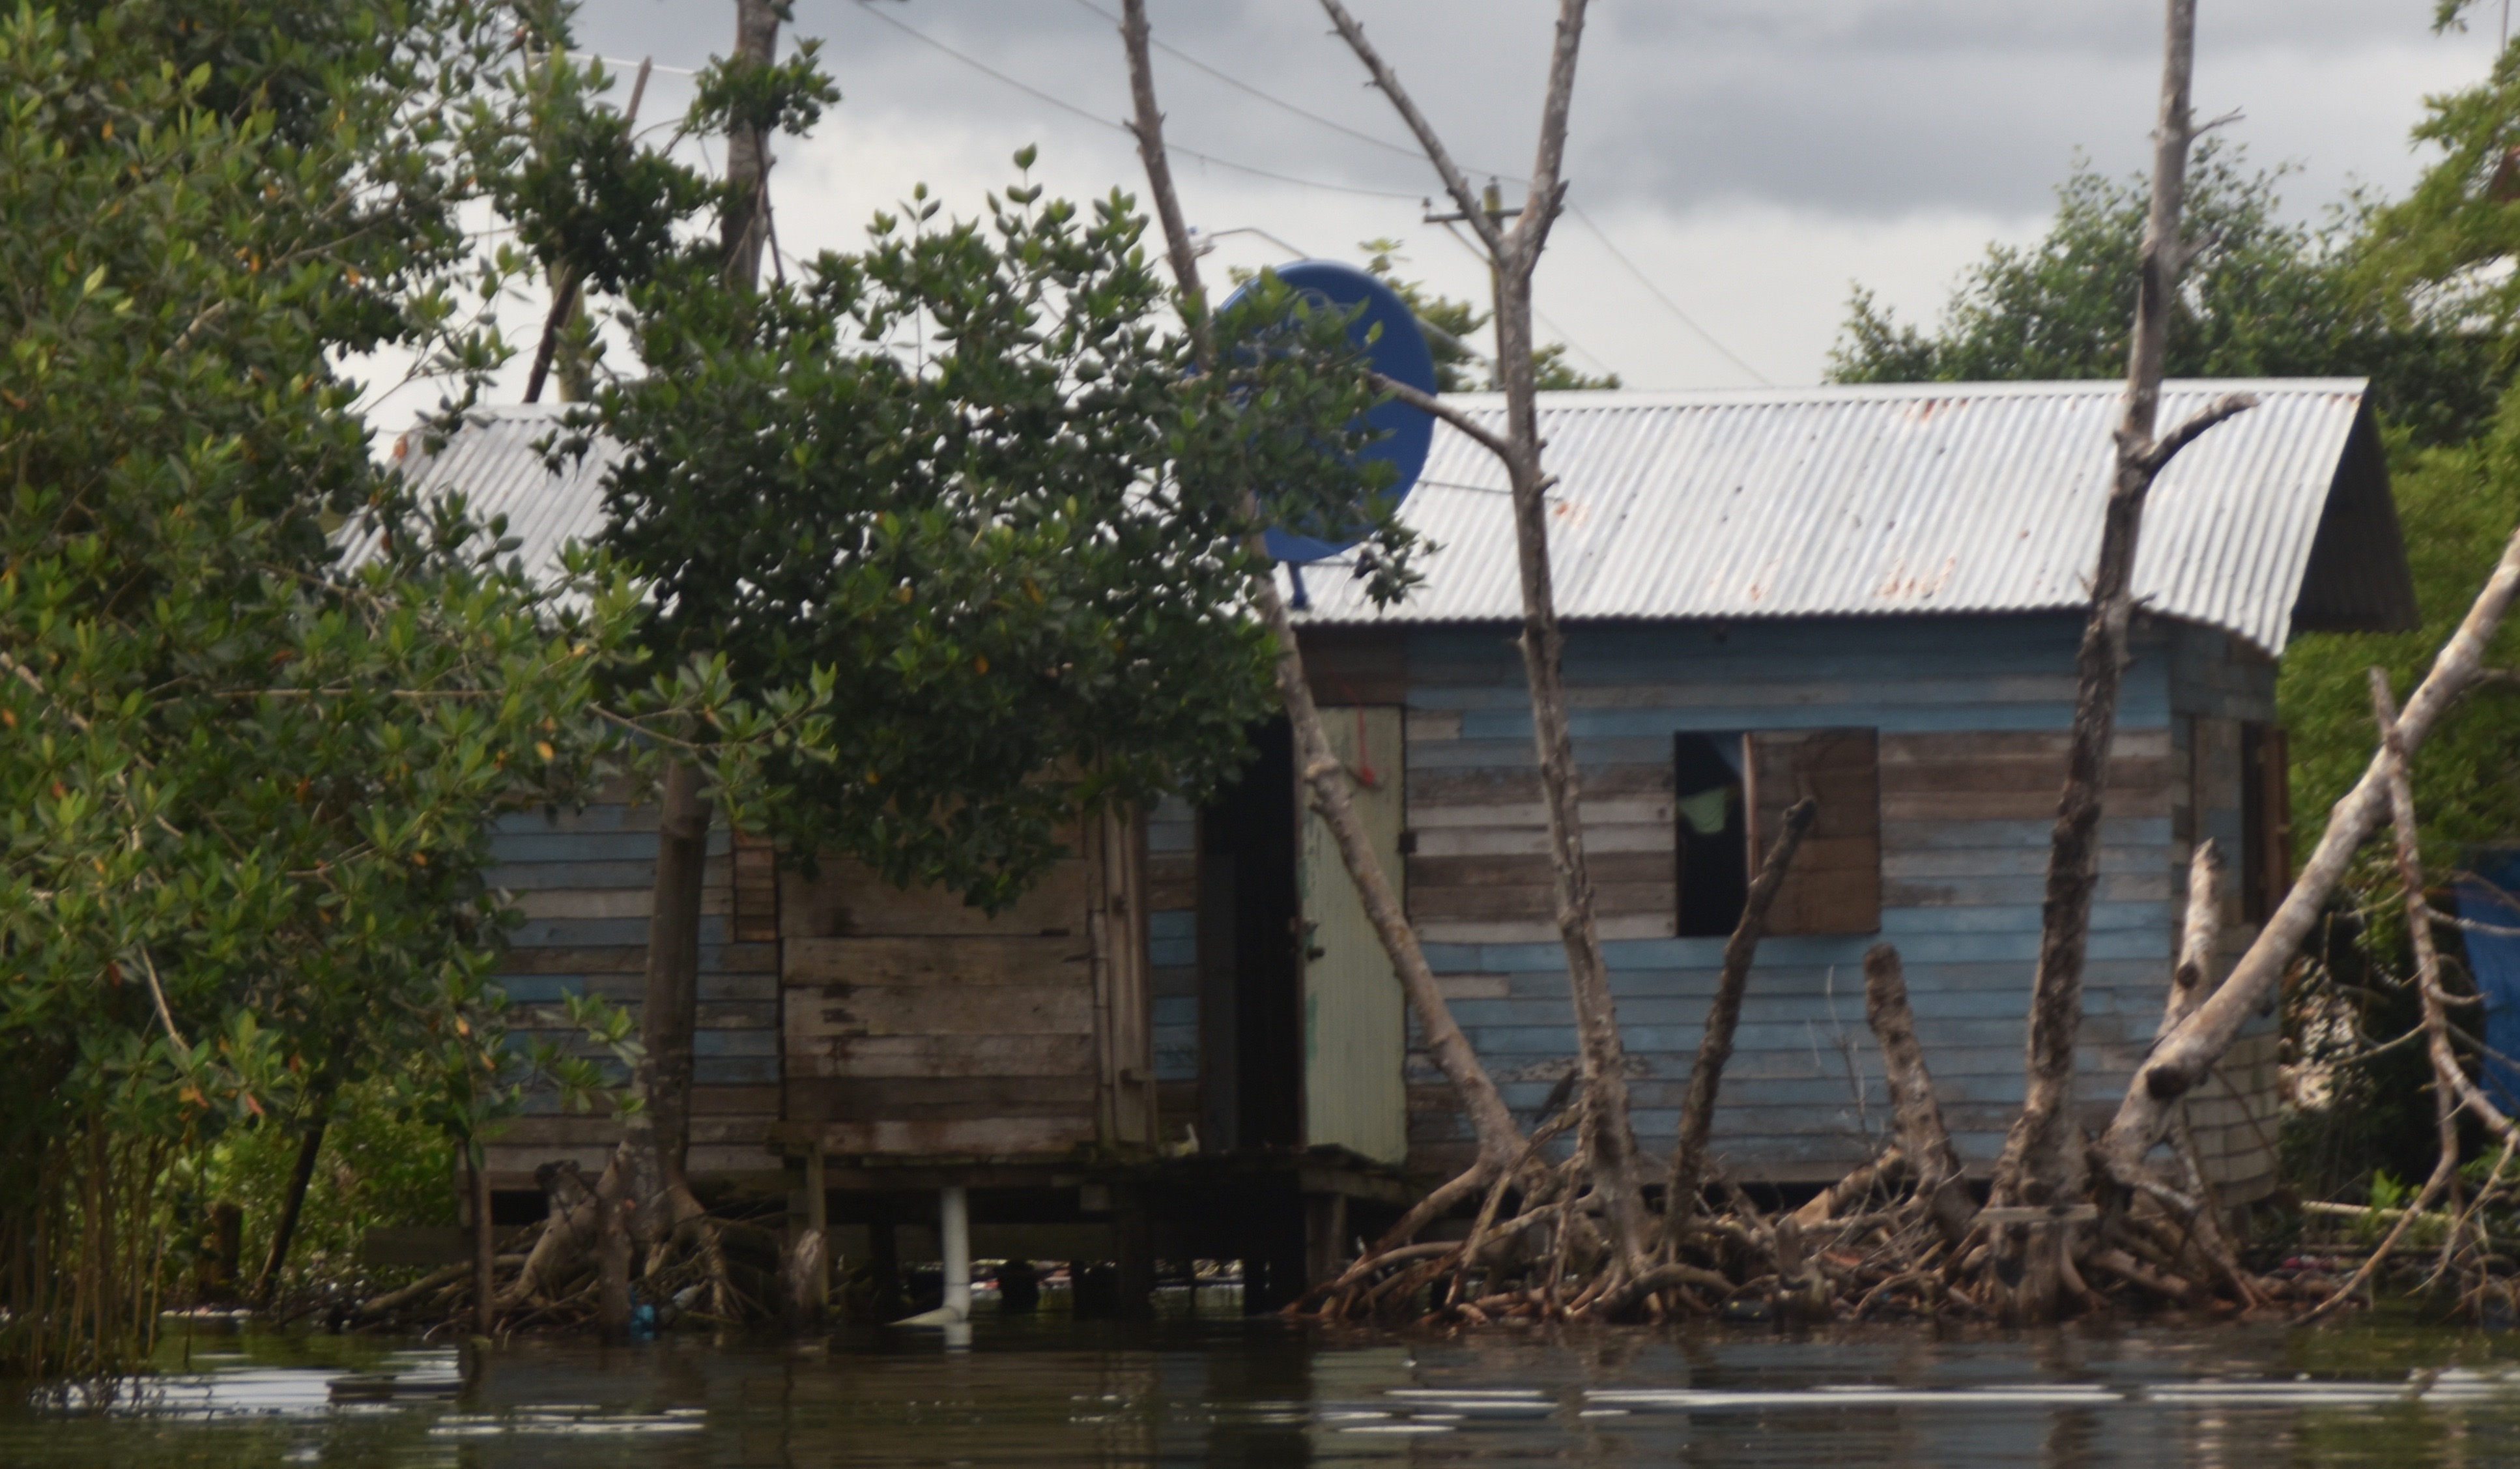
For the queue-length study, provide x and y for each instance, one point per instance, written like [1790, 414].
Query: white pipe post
[954, 1227]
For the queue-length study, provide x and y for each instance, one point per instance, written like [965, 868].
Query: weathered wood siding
[583, 881]
[2220, 688]
[917, 1024]
[1172, 958]
[1970, 714]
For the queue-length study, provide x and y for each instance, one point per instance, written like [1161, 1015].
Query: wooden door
[1355, 1032]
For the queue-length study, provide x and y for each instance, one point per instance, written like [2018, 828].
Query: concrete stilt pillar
[954, 1233]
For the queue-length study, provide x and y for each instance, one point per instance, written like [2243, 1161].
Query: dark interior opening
[1713, 822]
[1250, 1034]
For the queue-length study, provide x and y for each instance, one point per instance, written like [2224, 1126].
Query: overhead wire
[1280, 102]
[1646, 280]
[1419, 157]
[867, 7]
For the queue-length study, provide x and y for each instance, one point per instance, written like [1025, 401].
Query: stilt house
[1188, 1037]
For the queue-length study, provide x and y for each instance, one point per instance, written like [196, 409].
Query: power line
[1598, 234]
[1280, 102]
[976, 65]
[1419, 158]
[1669, 304]
[1564, 337]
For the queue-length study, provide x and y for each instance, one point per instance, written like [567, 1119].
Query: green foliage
[1555, 375]
[2263, 297]
[970, 470]
[1455, 325]
[740, 95]
[377, 1163]
[581, 191]
[2458, 506]
[246, 786]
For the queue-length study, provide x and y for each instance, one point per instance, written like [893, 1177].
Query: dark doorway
[1714, 834]
[1250, 1034]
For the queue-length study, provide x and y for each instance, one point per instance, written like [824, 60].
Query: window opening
[1713, 834]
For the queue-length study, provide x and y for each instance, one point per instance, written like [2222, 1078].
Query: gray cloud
[1757, 154]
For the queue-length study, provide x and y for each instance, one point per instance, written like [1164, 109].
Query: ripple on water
[1048, 1394]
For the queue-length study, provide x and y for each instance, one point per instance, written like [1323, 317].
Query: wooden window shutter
[1836, 883]
[2266, 797]
[755, 863]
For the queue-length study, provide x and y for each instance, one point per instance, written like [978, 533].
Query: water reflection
[1053, 1391]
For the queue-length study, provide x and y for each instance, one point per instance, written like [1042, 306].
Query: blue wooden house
[1868, 595]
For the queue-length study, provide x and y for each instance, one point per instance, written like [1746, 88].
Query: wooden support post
[808, 1263]
[883, 1260]
[485, 1304]
[1133, 1240]
[1325, 1237]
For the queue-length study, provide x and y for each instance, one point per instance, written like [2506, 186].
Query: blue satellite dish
[1398, 351]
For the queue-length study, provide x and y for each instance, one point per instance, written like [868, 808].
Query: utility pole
[1491, 204]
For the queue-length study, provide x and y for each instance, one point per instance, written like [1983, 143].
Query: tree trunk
[2193, 979]
[485, 1304]
[1610, 1132]
[612, 1257]
[647, 1169]
[2448, 1074]
[2181, 1059]
[660, 1129]
[1723, 1018]
[1609, 1136]
[2041, 1160]
[745, 228]
[1917, 1113]
[1499, 1140]
[291, 1203]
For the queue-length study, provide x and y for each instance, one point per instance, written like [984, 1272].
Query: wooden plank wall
[584, 881]
[1971, 717]
[2220, 684]
[917, 1024]
[1172, 957]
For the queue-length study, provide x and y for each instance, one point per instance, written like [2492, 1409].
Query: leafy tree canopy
[974, 471]
[2265, 296]
[245, 785]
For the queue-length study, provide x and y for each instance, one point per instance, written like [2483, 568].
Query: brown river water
[1215, 1389]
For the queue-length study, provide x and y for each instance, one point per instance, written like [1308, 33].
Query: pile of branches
[552, 1276]
[1906, 1233]
[1903, 1235]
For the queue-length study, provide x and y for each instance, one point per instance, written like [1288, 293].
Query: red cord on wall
[1365, 774]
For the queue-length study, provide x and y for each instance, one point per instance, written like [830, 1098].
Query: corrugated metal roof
[496, 462]
[1926, 498]
[1907, 498]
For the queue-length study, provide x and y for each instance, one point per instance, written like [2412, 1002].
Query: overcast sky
[1752, 157]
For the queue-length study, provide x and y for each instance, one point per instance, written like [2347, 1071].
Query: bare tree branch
[1548, 191]
[2158, 454]
[1147, 127]
[1723, 1018]
[2181, 1058]
[1455, 183]
[1469, 427]
[1491, 1122]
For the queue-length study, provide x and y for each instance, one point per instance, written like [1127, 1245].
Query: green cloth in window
[1705, 811]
